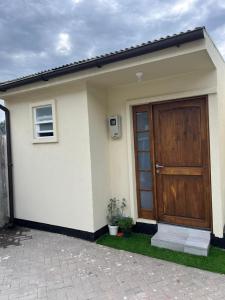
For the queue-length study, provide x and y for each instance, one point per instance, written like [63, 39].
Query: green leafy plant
[123, 205]
[125, 224]
[115, 210]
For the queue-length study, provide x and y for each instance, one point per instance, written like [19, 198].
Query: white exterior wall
[217, 188]
[52, 182]
[221, 117]
[219, 158]
[99, 145]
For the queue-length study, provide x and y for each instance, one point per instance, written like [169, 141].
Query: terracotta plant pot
[120, 234]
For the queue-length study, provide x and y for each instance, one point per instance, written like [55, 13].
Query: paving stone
[47, 266]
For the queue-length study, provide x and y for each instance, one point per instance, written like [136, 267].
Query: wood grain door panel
[182, 196]
[182, 162]
[176, 136]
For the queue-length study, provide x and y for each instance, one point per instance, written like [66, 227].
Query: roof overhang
[99, 62]
[183, 62]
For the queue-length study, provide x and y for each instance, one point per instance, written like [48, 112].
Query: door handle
[158, 166]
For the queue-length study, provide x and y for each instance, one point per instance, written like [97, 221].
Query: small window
[44, 123]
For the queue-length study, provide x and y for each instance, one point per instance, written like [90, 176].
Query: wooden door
[182, 162]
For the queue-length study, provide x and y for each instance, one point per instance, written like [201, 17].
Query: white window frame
[44, 139]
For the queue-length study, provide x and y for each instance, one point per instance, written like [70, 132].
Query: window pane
[146, 200]
[145, 180]
[142, 121]
[44, 127]
[44, 113]
[45, 134]
[143, 141]
[144, 160]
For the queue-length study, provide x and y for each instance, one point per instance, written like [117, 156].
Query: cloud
[38, 35]
[221, 48]
[169, 11]
[219, 35]
[91, 52]
[64, 45]
[22, 57]
[182, 7]
[111, 5]
[221, 4]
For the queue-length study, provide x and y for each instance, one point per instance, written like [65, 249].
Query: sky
[36, 35]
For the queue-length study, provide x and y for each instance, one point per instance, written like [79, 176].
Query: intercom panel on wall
[115, 127]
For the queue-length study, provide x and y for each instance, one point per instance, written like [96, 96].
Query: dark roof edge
[163, 43]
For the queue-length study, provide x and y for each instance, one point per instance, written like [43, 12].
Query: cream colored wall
[217, 143]
[219, 159]
[52, 182]
[64, 183]
[99, 145]
[120, 101]
[217, 189]
[221, 116]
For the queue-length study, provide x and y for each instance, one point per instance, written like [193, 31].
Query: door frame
[155, 214]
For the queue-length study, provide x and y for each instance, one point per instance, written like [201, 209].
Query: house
[167, 158]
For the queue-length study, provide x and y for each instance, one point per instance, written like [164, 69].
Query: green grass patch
[140, 243]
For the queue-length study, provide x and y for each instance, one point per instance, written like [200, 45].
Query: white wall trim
[216, 189]
[146, 221]
[131, 162]
[164, 97]
[52, 139]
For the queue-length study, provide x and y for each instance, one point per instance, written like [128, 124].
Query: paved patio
[41, 265]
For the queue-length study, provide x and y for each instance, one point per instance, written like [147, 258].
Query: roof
[100, 61]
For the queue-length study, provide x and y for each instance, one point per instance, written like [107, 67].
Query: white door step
[183, 239]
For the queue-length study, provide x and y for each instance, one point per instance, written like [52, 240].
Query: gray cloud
[39, 34]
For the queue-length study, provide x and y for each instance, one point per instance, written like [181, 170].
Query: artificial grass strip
[140, 243]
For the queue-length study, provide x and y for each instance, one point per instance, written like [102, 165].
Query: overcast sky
[39, 34]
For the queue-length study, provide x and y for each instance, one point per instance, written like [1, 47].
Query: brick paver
[50, 266]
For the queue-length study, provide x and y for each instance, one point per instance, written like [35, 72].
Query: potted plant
[125, 224]
[115, 212]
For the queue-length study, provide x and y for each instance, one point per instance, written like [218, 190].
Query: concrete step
[197, 246]
[183, 239]
[185, 230]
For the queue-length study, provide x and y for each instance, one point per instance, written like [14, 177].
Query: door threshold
[184, 226]
[147, 221]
